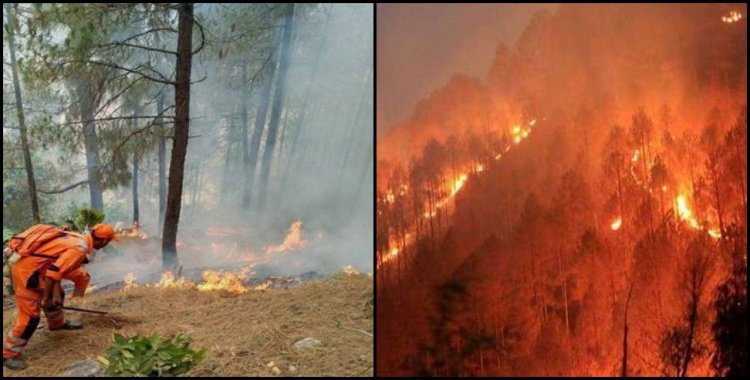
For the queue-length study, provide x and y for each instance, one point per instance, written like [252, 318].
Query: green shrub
[6, 235]
[87, 218]
[150, 356]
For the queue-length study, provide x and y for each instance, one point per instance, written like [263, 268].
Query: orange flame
[293, 240]
[684, 212]
[219, 280]
[167, 281]
[133, 232]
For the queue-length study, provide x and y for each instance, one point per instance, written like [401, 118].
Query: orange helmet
[104, 231]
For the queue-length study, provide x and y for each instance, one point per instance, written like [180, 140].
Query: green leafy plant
[150, 356]
[6, 235]
[87, 218]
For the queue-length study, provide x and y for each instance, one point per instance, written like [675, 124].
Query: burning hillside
[580, 210]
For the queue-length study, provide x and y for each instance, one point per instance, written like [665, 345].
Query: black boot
[70, 325]
[14, 363]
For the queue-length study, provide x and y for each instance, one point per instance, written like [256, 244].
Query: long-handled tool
[84, 310]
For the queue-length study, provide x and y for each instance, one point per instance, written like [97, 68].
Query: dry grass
[242, 333]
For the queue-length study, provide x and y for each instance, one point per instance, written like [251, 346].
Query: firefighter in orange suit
[36, 281]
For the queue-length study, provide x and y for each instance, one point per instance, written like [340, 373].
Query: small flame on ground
[349, 270]
[133, 232]
[168, 281]
[293, 240]
[263, 286]
[219, 280]
[130, 281]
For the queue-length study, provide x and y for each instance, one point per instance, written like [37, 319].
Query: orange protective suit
[67, 254]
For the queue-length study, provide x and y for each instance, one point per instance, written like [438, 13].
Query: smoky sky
[421, 46]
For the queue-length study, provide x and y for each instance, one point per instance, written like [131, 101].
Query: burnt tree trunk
[278, 102]
[21, 119]
[625, 335]
[181, 127]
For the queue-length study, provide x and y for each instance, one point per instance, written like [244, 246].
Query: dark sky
[421, 46]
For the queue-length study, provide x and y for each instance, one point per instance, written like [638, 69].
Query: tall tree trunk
[260, 123]
[227, 162]
[85, 94]
[244, 98]
[181, 129]
[355, 123]
[162, 167]
[162, 146]
[21, 119]
[136, 213]
[278, 103]
[296, 131]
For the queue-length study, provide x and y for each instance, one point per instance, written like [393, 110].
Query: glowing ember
[714, 233]
[664, 188]
[394, 251]
[519, 133]
[293, 240]
[497, 156]
[479, 168]
[390, 198]
[217, 280]
[733, 17]
[616, 224]
[636, 155]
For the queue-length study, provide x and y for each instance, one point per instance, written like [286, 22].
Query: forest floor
[243, 333]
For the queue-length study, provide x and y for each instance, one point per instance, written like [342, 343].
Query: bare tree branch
[203, 36]
[118, 118]
[134, 71]
[64, 189]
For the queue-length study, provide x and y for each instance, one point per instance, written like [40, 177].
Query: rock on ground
[306, 343]
[83, 368]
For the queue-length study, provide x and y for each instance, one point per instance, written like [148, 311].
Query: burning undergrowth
[214, 258]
